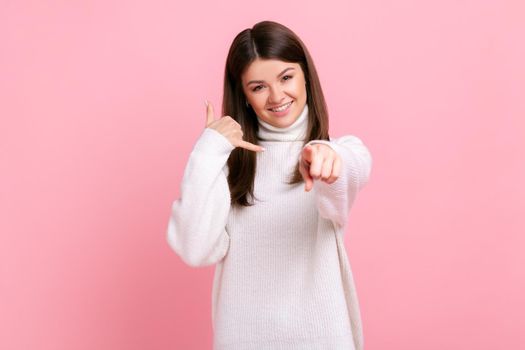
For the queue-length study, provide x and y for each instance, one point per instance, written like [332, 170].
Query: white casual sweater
[282, 276]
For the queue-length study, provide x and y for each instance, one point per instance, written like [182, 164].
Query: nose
[276, 96]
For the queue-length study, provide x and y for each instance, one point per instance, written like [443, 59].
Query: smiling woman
[278, 98]
[282, 277]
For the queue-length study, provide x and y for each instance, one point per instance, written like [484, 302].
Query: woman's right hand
[230, 129]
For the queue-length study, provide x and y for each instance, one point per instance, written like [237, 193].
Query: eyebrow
[262, 81]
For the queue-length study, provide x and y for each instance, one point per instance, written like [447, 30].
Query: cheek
[299, 88]
[259, 101]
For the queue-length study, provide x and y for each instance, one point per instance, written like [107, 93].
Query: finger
[250, 146]
[308, 181]
[210, 116]
[327, 168]
[336, 170]
[316, 164]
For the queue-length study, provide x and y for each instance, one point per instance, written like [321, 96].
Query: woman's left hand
[319, 162]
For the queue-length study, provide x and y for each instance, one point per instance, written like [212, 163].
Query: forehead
[268, 69]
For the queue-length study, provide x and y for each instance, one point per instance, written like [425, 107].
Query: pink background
[101, 103]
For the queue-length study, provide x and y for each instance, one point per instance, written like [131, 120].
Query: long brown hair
[265, 40]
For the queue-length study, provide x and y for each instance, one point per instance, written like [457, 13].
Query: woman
[282, 278]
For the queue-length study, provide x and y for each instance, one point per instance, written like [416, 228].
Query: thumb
[308, 153]
[210, 116]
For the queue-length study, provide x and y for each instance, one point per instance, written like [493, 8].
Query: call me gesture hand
[230, 129]
[319, 162]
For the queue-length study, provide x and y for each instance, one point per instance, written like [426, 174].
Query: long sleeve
[335, 200]
[197, 225]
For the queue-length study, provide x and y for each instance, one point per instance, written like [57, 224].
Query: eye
[257, 88]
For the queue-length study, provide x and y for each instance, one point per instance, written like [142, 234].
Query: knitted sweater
[282, 276]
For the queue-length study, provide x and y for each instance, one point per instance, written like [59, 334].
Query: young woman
[282, 277]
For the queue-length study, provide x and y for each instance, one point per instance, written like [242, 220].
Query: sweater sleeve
[335, 200]
[197, 224]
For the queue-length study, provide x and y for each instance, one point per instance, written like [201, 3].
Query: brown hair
[265, 40]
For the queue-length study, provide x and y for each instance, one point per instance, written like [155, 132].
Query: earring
[247, 104]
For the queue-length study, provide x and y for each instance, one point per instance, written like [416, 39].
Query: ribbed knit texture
[282, 276]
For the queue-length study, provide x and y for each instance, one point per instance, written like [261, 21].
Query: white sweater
[282, 276]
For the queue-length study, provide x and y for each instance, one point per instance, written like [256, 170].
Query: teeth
[282, 108]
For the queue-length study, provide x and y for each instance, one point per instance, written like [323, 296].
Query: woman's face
[268, 84]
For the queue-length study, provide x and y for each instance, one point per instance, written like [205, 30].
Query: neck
[294, 132]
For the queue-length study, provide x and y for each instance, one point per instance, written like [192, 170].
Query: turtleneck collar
[295, 132]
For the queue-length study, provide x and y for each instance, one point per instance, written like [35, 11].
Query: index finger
[250, 146]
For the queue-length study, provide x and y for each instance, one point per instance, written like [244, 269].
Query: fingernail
[263, 149]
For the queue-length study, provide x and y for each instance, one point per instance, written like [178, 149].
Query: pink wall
[101, 103]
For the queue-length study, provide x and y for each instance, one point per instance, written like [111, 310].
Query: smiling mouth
[281, 107]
